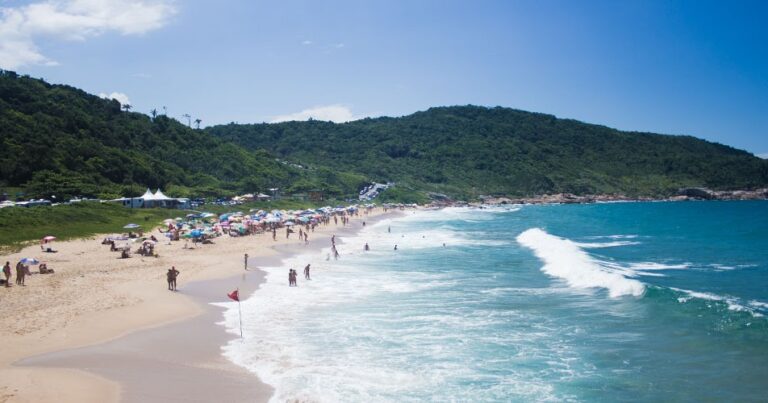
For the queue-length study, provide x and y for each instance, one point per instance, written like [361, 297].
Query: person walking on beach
[306, 273]
[172, 274]
[246, 262]
[20, 273]
[274, 234]
[395, 246]
[7, 273]
[366, 247]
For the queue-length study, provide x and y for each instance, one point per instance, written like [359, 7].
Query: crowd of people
[22, 271]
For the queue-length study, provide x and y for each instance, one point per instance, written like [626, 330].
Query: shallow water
[600, 302]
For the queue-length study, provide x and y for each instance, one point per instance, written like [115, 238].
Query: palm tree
[197, 122]
[153, 112]
[189, 119]
[127, 107]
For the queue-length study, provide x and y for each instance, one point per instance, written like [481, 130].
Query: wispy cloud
[763, 156]
[119, 96]
[338, 45]
[73, 20]
[333, 113]
[306, 43]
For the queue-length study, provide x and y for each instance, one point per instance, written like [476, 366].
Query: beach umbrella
[131, 226]
[196, 233]
[30, 260]
[149, 241]
[289, 223]
[48, 238]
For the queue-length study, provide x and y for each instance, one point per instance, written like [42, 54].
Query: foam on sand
[566, 260]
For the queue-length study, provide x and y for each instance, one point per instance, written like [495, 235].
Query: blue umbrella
[30, 260]
[196, 233]
[131, 226]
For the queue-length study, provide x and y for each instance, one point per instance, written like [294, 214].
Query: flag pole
[240, 313]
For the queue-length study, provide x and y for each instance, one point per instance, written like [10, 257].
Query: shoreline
[186, 310]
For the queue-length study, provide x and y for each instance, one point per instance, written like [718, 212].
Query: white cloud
[306, 43]
[73, 20]
[119, 96]
[333, 113]
[763, 156]
[338, 45]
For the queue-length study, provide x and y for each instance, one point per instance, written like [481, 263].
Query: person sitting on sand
[172, 274]
[124, 254]
[366, 247]
[7, 273]
[44, 269]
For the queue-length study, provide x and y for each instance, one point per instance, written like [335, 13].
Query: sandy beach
[61, 325]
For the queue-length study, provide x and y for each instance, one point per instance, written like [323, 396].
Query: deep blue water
[599, 302]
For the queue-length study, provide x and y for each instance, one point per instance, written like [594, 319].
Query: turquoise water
[600, 302]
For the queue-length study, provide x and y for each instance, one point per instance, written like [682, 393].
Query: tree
[127, 107]
[189, 119]
[197, 122]
[153, 112]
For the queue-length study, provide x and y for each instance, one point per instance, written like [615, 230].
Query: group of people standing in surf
[292, 276]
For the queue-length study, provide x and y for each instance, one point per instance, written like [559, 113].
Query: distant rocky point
[683, 194]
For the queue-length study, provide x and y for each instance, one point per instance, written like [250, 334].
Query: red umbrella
[48, 238]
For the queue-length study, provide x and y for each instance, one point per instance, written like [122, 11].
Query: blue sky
[676, 67]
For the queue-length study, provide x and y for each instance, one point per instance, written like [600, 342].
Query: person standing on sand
[274, 234]
[246, 262]
[172, 274]
[7, 273]
[306, 273]
[20, 273]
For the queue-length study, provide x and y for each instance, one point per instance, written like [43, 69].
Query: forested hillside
[59, 140]
[470, 150]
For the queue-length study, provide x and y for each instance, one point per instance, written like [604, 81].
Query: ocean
[655, 301]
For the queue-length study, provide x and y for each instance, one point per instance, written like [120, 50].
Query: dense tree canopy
[59, 140]
[469, 150]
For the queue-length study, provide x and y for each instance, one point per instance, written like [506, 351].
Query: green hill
[59, 140]
[471, 150]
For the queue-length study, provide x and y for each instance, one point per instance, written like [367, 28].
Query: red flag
[234, 295]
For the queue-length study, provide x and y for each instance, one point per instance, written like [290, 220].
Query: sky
[676, 67]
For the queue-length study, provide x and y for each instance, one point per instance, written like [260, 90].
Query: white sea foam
[593, 245]
[564, 259]
[731, 302]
